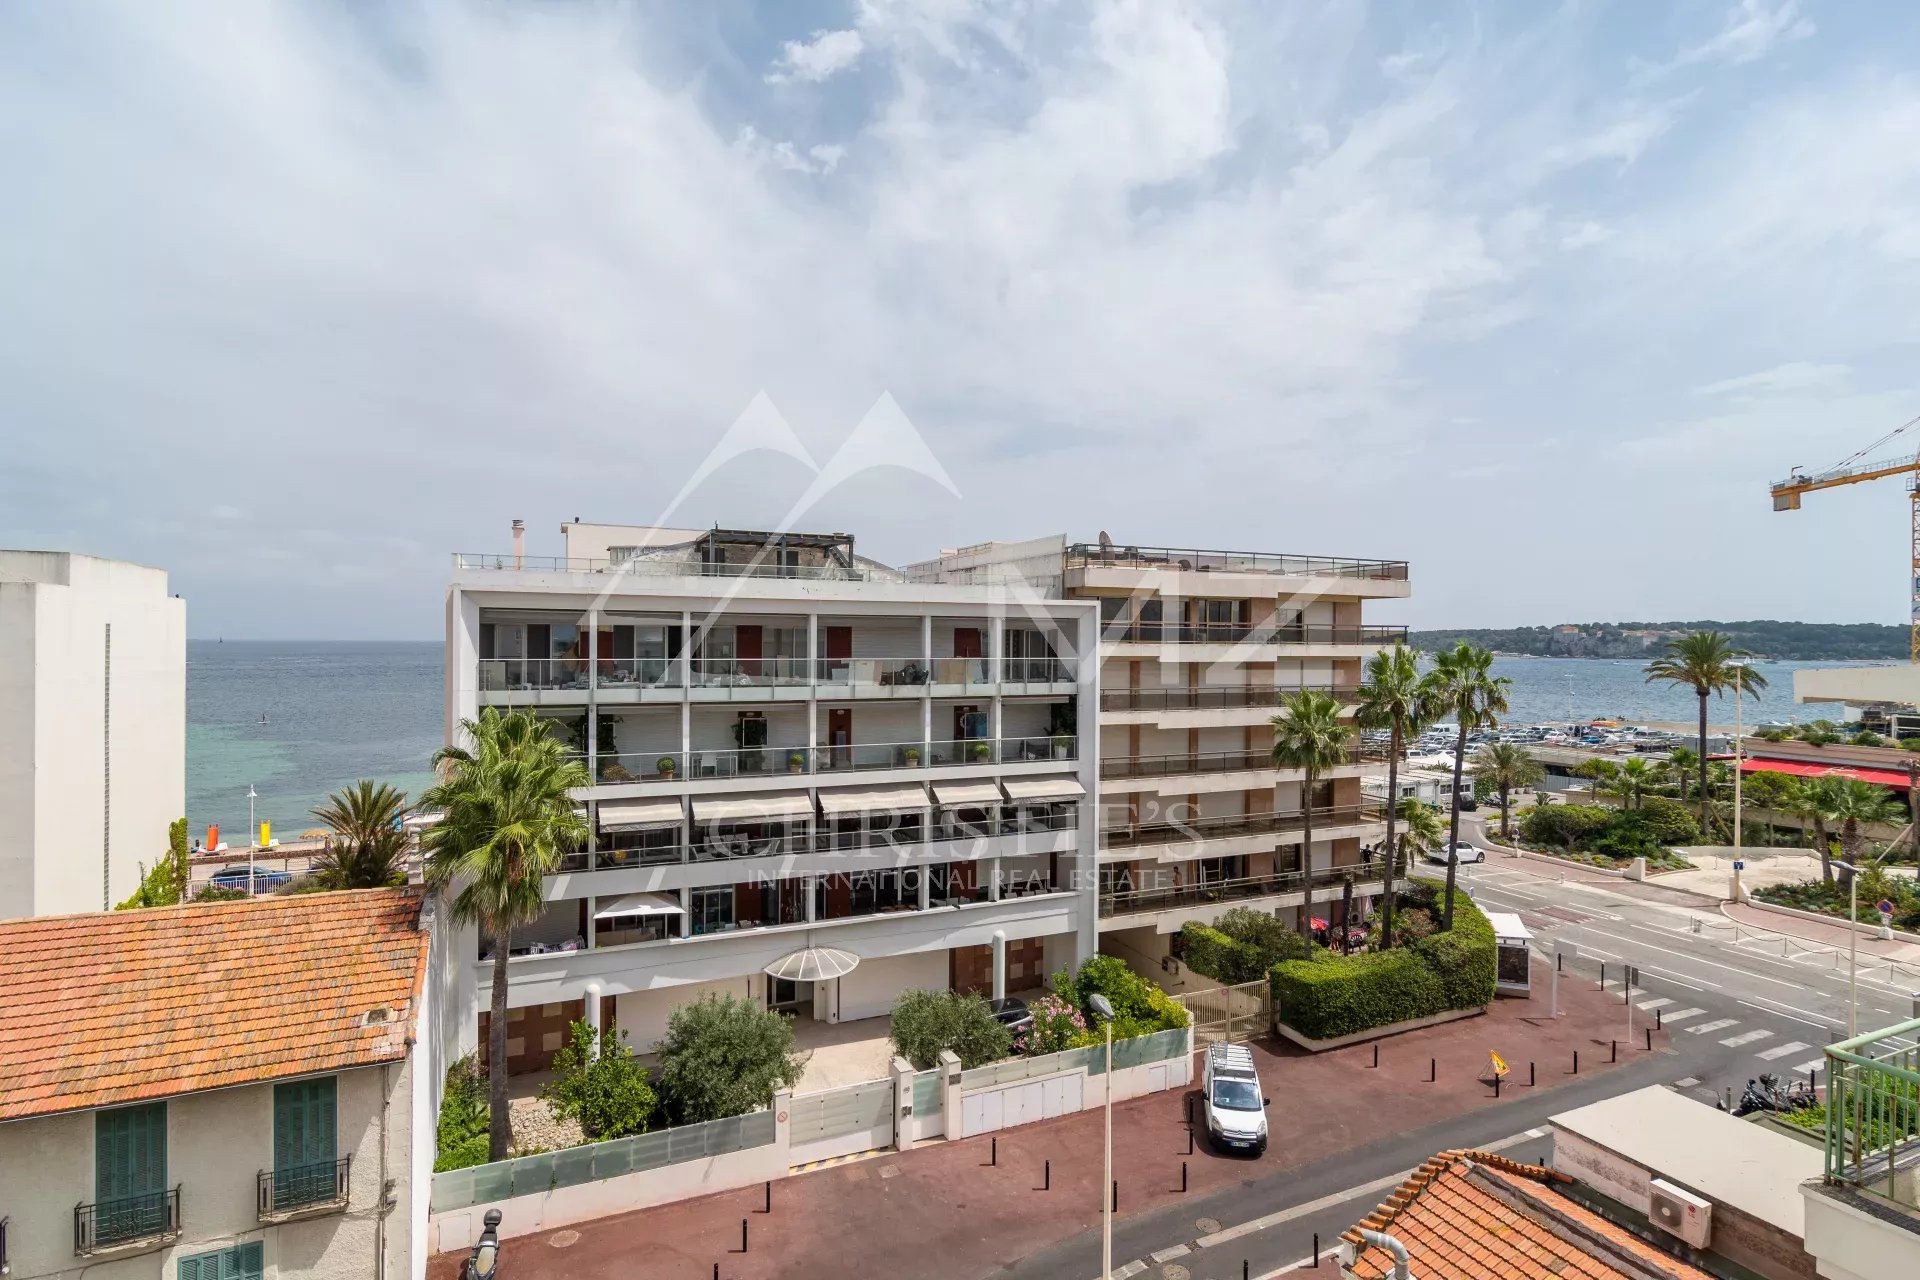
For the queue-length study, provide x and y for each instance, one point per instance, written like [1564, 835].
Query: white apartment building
[800, 759]
[1197, 651]
[93, 715]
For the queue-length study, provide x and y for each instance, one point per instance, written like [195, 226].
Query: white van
[1236, 1113]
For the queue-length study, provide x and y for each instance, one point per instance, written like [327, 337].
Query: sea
[297, 720]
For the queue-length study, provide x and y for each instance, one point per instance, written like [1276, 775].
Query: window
[303, 1142]
[130, 1173]
[242, 1262]
[712, 909]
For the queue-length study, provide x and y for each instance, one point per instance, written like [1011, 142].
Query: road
[1738, 1003]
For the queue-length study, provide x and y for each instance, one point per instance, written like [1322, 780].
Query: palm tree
[1682, 761]
[366, 848]
[1390, 700]
[1507, 768]
[1812, 802]
[1462, 685]
[1631, 780]
[1707, 662]
[1420, 836]
[1857, 802]
[508, 800]
[1310, 736]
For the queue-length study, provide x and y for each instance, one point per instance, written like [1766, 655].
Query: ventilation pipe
[1382, 1240]
[519, 544]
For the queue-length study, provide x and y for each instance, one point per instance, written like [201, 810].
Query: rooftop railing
[665, 567]
[1873, 1115]
[1081, 555]
[1214, 697]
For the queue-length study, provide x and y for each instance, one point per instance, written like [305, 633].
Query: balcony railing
[1214, 697]
[750, 677]
[672, 567]
[108, 1224]
[1873, 1115]
[303, 1188]
[1235, 633]
[1084, 555]
[1129, 901]
[1195, 762]
[1141, 834]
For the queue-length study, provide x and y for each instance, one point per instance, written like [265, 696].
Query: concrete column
[949, 1067]
[926, 887]
[592, 1002]
[903, 1120]
[813, 887]
[993, 879]
[686, 692]
[592, 649]
[686, 913]
[593, 925]
[999, 964]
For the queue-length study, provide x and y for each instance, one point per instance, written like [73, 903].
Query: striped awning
[635, 815]
[773, 806]
[897, 799]
[966, 794]
[1060, 788]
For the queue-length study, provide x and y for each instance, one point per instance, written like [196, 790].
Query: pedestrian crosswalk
[1660, 1002]
[1782, 1050]
[1734, 1042]
[1718, 1024]
[1681, 1015]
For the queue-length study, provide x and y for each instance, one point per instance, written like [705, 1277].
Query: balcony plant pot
[981, 751]
[796, 763]
[912, 756]
[1062, 745]
[665, 764]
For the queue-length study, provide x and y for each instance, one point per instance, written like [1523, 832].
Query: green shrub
[926, 1023]
[724, 1056]
[217, 893]
[598, 1082]
[1325, 995]
[1668, 822]
[1057, 1025]
[1139, 1007]
[1239, 947]
[1570, 826]
[460, 1135]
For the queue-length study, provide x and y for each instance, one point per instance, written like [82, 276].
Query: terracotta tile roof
[123, 1006]
[1473, 1215]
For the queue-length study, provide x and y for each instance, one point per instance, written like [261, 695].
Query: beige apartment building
[1198, 649]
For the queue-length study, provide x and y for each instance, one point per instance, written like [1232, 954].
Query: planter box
[1372, 1033]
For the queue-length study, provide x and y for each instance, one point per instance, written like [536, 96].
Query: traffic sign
[1885, 907]
[1498, 1063]
[1739, 865]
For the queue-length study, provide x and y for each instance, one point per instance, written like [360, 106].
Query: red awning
[1804, 769]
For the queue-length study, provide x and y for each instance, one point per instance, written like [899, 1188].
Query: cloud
[1796, 378]
[824, 56]
[1583, 235]
[1749, 32]
[821, 158]
[1621, 140]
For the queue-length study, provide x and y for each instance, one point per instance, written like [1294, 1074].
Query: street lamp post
[253, 837]
[1853, 947]
[1740, 674]
[1103, 1010]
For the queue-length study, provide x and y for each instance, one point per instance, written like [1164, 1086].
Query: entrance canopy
[813, 964]
[637, 904]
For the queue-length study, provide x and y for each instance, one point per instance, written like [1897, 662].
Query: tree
[166, 884]
[1682, 761]
[508, 799]
[598, 1082]
[1855, 803]
[1706, 662]
[1423, 830]
[1462, 685]
[1390, 700]
[1507, 768]
[927, 1023]
[725, 1056]
[1309, 735]
[1601, 773]
[1819, 733]
[366, 847]
[1811, 801]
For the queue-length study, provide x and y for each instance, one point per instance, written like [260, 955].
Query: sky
[298, 299]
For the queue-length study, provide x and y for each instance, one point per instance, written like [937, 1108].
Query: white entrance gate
[986, 1110]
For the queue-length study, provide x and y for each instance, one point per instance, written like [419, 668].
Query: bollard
[993, 1159]
[1658, 1020]
[1189, 1139]
[1243, 1269]
[1529, 1075]
[1376, 1056]
[743, 1235]
[1496, 1086]
[716, 1271]
[1649, 1031]
[1116, 1195]
[1433, 1070]
[1603, 973]
[1183, 1177]
[1047, 1177]
[1576, 1062]
[1316, 1251]
[1613, 1051]
[769, 1204]
[1557, 959]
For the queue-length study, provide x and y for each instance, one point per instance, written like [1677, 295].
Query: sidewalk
[942, 1210]
[1832, 935]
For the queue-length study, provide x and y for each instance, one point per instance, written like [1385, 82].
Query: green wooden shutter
[195, 1268]
[130, 1151]
[241, 1262]
[247, 1260]
[304, 1124]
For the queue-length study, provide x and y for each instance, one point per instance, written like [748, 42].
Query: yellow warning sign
[1498, 1063]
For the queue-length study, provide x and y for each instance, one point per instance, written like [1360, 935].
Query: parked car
[1465, 852]
[264, 879]
[1012, 1013]
[1236, 1113]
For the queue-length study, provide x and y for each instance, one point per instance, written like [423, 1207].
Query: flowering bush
[1057, 1025]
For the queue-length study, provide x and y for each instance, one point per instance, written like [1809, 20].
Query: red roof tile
[1471, 1215]
[125, 1006]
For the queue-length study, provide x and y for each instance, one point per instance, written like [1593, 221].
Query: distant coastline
[1779, 641]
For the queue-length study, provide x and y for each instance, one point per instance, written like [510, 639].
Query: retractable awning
[776, 806]
[966, 794]
[634, 815]
[637, 904]
[1061, 788]
[895, 799]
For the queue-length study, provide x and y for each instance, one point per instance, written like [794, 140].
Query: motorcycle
[1767, 1094]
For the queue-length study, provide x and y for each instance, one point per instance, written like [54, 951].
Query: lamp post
[1853, 947]
[253, 837]
[1741, 671]
[1103, 1010]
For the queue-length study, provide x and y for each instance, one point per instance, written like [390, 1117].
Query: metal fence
[839, 1112]
[1241, 1012]
[1135, 1051]
[926, 1093]
[572, 1166]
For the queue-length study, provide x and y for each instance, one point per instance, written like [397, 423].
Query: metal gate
[841, 1122]
[1242, 1012]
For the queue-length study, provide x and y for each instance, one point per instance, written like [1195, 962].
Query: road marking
[1660, 1003]
[1782, 1050]
[1775, 1008]
[1718, 1024]
[1811, 1067]
[1734, 1042]
[1169, 1254]
[1279, 1216]
[1680, 1015]
[1687, 1082]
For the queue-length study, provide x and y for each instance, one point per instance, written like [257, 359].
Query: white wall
[871, 989]
[642, 1015]
[92, 744]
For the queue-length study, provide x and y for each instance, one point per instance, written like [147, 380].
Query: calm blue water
[337, 712]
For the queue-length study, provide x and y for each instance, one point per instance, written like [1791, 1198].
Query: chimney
[519, 544]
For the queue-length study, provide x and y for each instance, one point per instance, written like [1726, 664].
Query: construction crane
[1856, 469]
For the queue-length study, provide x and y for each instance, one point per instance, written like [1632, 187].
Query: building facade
[93, 711]
[799, 757]
[1198, 651]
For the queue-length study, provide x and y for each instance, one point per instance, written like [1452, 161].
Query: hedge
[1226, 954]
[1326, 996]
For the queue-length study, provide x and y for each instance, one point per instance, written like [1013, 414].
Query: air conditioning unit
[1681, 1213]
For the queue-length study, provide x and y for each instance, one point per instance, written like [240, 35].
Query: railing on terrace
[1873, 1115]
[1158, 833]
[108, 1224]
[1001, 820]
[661, 567]
[312, 1186]
[1129, 901]
[749, 677]
[572, 1166]
[1215, 697]
[750, 673]
[1084, 555]
[1195, 762]
[1234, 633]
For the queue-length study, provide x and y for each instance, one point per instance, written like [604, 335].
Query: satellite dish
[1106, 542]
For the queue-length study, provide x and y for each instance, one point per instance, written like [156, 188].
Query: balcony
[150, 1218]
[1196, 762]
[1873, 1121]
[1164, 633]
[1083, 555]
[1214, 892]
[732, 679]
[1156, 834]
[798, 759]
[303, 1190]
[1216, 697]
